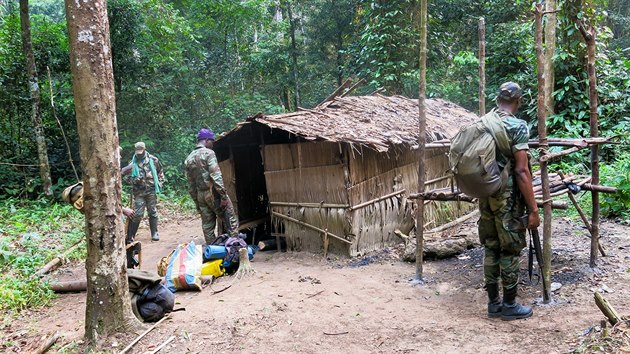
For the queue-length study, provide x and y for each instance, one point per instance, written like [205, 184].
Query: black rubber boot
[153, 226]
[494, 300]
[510, 310]
[132, 229]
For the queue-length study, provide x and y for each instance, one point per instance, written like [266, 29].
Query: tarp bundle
[184, 268]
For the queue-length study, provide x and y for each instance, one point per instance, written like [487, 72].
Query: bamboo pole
[309, 205]
[422, 131]
[288, 218]
[482, 66]
[589, 38]
[376, 200]
[542, 136]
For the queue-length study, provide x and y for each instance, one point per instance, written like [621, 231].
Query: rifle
[535, 248]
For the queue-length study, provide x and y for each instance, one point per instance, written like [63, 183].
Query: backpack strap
[494, 123]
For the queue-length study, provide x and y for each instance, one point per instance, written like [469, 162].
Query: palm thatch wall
[337, 176]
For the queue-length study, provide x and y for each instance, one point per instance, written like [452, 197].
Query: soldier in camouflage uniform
[206, 188]
[146, 177]
[503, 220]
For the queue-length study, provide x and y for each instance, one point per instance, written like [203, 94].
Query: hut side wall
[307, 173]
[373, 175]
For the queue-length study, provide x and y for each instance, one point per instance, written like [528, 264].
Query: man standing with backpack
[490, 161]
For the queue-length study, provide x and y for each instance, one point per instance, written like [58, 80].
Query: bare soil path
[301, 303]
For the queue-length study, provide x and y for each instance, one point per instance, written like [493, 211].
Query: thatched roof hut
[335, 177]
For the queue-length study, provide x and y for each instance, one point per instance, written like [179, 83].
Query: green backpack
[472, 156]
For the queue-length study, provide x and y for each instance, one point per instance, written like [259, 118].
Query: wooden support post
[482, 66]
[542, 136]
[422, 139]
[589, 37]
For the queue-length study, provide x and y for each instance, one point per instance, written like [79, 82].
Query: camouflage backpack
[472, 156]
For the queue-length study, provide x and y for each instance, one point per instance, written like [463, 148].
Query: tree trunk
[422, 127]
[36, 116]
[550, 49]
[482, 67]
[294, 61]
[108, 307]
[544, 145]
[589, 34]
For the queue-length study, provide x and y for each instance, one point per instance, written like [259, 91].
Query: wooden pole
[422, 128]
[542, 137]
[589, 38]
[482, 66]
[288, 218]
[376, 200]
[142, 335]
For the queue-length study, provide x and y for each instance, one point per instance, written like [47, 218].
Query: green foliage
[33, 232]
[617, 174]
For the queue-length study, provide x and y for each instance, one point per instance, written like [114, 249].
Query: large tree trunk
[108, 307]
[36, 116]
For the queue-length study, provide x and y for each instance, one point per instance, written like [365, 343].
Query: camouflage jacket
[203, 173]
[145, 178]
[517, 133]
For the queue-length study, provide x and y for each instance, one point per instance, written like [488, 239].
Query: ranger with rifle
[503, 209]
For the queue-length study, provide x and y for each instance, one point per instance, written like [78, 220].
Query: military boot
[510, 310]
[494, 300]
[153, 226]
[132, 229]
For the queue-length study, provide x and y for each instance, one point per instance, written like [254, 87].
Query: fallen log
[69, 286]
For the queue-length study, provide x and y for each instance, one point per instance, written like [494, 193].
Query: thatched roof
[376, 121]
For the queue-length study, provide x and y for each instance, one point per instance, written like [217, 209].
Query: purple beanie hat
[205, 134]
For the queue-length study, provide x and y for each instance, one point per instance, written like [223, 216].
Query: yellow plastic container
[214, 268]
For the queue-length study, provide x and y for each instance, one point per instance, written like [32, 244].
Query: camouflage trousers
[143, 199]
[502, 233]
[210, 209]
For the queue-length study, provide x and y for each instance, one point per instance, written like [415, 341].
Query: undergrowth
[31, 234]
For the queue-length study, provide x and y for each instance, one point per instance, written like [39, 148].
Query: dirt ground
[300, 303]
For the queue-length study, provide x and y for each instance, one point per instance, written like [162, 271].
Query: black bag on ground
[150, 300]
